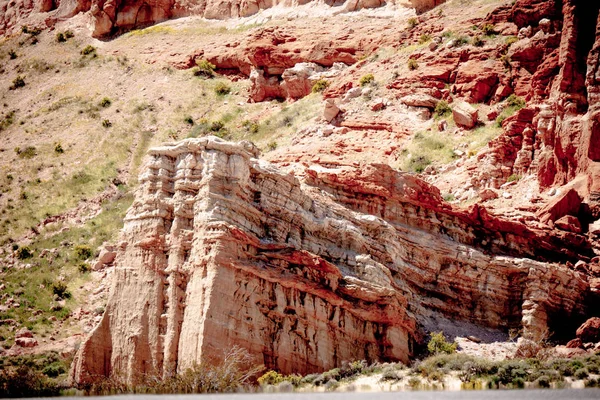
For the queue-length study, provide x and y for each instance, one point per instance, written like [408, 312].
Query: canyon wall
[109, 17]
[311, 267]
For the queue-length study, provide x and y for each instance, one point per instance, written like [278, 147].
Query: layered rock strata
[307, 269]
[111, 16]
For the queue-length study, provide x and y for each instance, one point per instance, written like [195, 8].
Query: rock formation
[112, 16]
[309, 268]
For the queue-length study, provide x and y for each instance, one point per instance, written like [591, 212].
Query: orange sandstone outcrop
[306, 269]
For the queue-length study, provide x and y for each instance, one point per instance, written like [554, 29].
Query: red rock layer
[221, 249]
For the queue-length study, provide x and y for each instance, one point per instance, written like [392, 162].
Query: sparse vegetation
[204, 69]
[222, 89]
[320, 86]
[412, 22]
[478, 41]
[105, 102]
[12, 54]
[438, 344]
[89, 50]
[18, 82]
[366, 80]
[514, 178]
[488, 29]
[442, 108]
[425, 38]
[62, 37]
[58, 149]
[412, 64]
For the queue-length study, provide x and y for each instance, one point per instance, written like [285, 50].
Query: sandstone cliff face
[310, 268]
[113, 16]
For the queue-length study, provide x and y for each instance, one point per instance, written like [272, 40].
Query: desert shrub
[419, 163]
[84, 268]
[60, 289]
[511, 40]
[412, 22]
[106, 123]
[83, 252]
[518, 383]
[53, 370]
[581, 373]
[12, 54]
[413, 64]
[442, 108]
[515, 101]
[438, 344]
[506, 61]
[488, 29]
[58, 148]
[251, 126]
[24, 381]
[272, 145]
[24, 253]
[270, 378]
[216, 126]
[513, 178]
[449, 197]
[18, 82]
[105, 102]
[222, 89]
[461, 41]
[188, 120]
[366, 80]
[424, 38]
[389, 375]
[233, 374]
[27, 153]
[320, 86]
[204, 69]
[31, 31]
[331, 385]
[478, 41]
[592, 383]
[543, 381]
[88, 50]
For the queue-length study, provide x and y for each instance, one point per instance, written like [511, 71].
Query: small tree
[439, 345]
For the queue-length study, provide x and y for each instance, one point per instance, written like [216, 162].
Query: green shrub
[60, 37]
[511, 40]
[581, 373]
[438, 344]
[461, 41]
[272, 145]
[24, 253]
[543, 381]
[60, 289]
[449, 197]
[270, 378]
[366, 80]
[478, 41]
[28, 153]
[84, 268]
[442, 108]
[53, 370]
[18, 82]
[88, 50]
[83, 252]
[23, 381]
[222, 89]
[412, 22]
[515, 101]
[518, 383]
[424, 38]
[320, 86]
[251, 126]
[105, 102]
[204, 69]
[412, 64]
[488, 29]
[514, 178]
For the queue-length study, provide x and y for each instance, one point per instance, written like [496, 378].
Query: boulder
[331, 110]
[24, 333]
[568, 223]
[567, 204]
[589, 331]
[419, 100]
[488, 194]
[26, 342]
[464, 114]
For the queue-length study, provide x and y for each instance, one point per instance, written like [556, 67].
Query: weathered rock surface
[589, 331]
[308, 269]
[111, 16]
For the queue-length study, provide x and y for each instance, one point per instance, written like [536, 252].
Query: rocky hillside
[403, 171]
